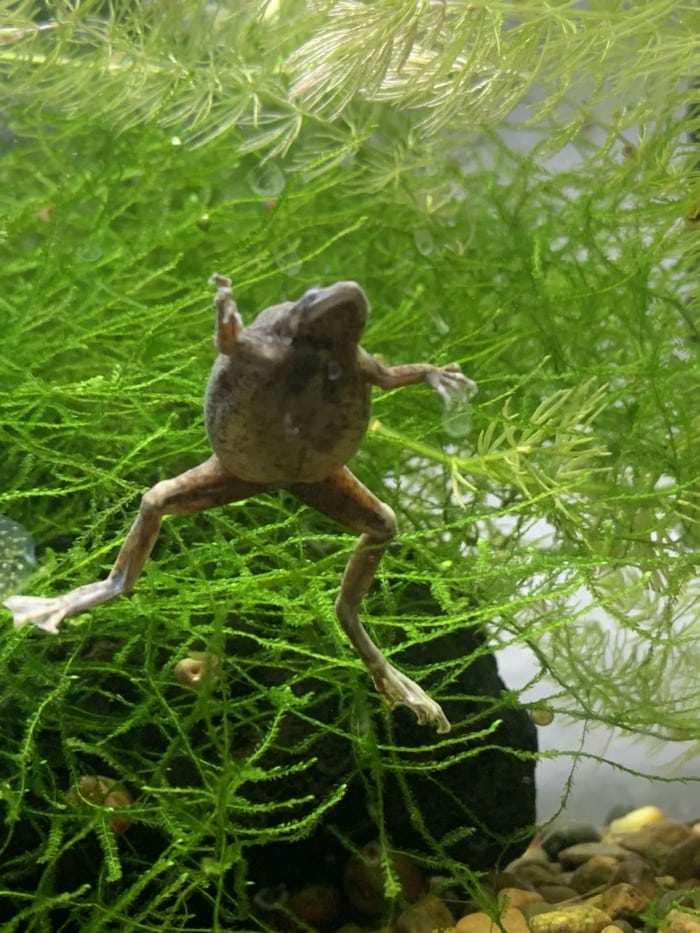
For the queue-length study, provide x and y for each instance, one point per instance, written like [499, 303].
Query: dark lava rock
[478, 809]
[461, 797]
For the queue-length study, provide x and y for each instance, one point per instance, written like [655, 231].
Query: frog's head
[336, 314]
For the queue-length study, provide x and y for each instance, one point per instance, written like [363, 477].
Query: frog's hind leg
[343, 498]
[203, 487]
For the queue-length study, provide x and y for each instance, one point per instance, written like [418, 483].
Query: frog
[287, 405]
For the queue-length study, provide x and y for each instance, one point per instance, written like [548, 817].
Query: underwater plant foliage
[145, 146]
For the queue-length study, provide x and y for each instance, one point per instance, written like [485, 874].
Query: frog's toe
[44, 613]
[397, 689]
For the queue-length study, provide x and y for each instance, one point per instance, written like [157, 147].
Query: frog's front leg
[343, 498]
[203, 487]
[448, 381]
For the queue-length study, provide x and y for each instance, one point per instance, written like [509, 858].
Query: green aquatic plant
[410, 147]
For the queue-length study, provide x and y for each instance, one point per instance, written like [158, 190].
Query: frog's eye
[311, 294]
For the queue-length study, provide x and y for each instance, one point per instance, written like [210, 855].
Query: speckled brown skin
[287, 404]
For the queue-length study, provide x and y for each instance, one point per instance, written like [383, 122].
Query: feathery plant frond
[409, 146]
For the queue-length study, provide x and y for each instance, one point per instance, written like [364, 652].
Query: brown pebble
[364, 878]
[624, 925]
[496, 880]
[532, 856]
[655, 842]
[317, 905]
[104, 792]
[577, 918]
[683, 861]
[635, 870]
[535, 873]
[580, 853]
[556, 893]
[510, 920]
[678, 921]
[429, 915]
[598, 870]
[517, 897]
[621, 900]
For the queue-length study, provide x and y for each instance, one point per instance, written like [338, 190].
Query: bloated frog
[287, 405]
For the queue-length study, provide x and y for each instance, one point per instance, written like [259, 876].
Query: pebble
[518, 898]
[598, 870]
[576, 918]
[317, 905]
[556, 893]
[565, 834]
[364, 880]
[511, 920]
[636, 819]
[534, 872]
[578, 854]
[636, 871]
[602, 885]
[683, 861]
[104, 792]
[621, 900]
[656, 841]
[428, 915]
[678, 921]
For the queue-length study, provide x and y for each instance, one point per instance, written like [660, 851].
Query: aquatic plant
[516, 189]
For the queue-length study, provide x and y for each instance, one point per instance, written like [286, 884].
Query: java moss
[144, 148]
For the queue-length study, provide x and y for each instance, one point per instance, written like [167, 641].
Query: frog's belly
[293, 438]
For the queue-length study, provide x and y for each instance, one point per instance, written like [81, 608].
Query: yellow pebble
[511, 920]
[636, 819]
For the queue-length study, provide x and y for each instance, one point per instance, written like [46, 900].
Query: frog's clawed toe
[397, 689]
[44, 613]
[451, 384]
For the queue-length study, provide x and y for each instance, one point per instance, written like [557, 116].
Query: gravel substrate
[641, 872]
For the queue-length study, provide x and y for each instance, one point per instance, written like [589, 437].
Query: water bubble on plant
[440, 327]
[267, 180]
[288, 261]
[457, 424]
[88, 252]
[17, 559]
[423, 240]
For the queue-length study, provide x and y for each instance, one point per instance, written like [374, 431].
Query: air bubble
[457, 424]
[89, 252]
[288, 261]
[267, 180]
[423, 239]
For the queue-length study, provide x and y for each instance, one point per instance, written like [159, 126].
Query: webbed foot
[397, 689]
[47, 613]
[44, 613]
[451, 384]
